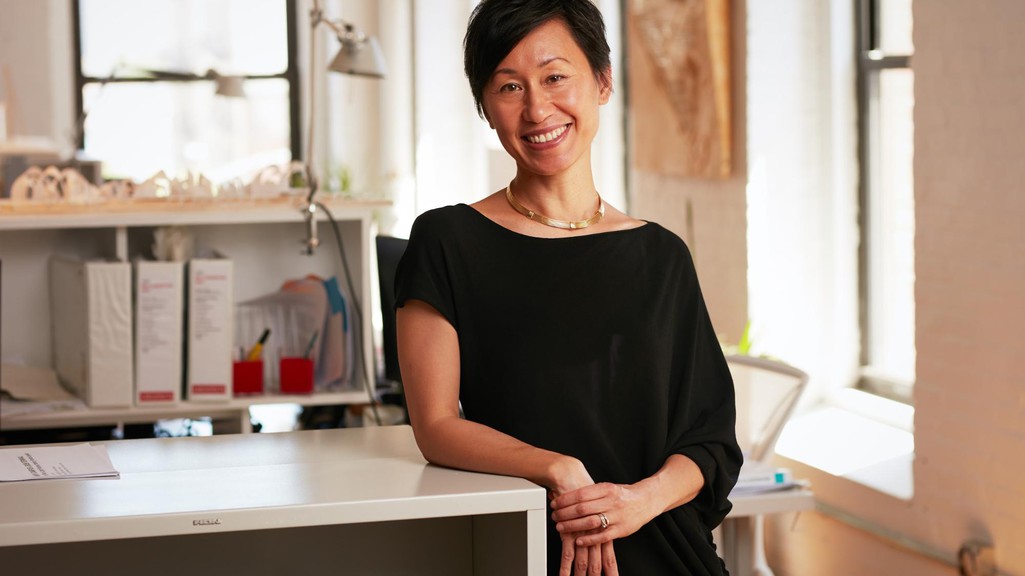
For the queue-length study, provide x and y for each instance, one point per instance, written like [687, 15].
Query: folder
[159, 316]
[91, 319]
[210, 327]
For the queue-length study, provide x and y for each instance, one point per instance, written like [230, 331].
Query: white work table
[742, 546]
[353, 501]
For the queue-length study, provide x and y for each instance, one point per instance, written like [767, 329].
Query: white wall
[36, 69]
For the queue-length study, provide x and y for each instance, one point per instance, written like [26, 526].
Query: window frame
[870, 63]
[291, 75]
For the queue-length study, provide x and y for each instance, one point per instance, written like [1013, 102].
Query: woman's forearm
[429, 359]
[459, 443]
[677, 482]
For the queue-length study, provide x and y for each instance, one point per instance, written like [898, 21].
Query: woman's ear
[605, 86]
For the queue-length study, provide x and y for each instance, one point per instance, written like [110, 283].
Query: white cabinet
[263, 238]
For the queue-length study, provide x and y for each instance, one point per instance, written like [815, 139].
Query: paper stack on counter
[757, 477]
[52, 462]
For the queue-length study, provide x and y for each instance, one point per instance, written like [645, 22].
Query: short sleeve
[424, 272]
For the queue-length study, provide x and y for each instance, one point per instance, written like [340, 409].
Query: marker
[257, 350]
[309, 347]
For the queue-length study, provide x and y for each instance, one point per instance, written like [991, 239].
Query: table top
[790, 500]
[254, 481]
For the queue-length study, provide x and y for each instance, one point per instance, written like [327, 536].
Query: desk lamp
[360, 55]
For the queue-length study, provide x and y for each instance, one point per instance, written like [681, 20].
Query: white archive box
[91, 318]
[159, 317]
[210, 328]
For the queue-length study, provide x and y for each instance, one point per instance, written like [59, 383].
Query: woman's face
[543, 101]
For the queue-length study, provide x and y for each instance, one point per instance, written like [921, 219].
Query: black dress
[595, 346]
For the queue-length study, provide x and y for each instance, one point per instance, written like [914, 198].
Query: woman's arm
[429, 361]
[627, 507]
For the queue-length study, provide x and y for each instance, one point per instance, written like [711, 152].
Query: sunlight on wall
[845, 444]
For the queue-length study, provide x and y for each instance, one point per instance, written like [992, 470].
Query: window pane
[891, 232]
[895, 27]
[138, 129]
[233, 37]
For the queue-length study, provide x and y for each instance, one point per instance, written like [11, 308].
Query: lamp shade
[361, 58]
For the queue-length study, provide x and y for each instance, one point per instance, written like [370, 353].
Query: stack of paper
[757, 477]
[51, 462]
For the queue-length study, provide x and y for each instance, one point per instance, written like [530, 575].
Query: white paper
[759, 477]
[52, 462]
[31, 390]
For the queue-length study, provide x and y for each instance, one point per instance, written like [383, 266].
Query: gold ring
[604, 520]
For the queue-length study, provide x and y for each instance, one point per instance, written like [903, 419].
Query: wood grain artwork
[680, 67]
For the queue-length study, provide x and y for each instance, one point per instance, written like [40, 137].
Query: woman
[574, 336]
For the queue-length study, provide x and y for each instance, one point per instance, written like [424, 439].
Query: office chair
[767, 392]
[389, 252]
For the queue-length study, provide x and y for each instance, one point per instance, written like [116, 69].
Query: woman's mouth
[547, 136]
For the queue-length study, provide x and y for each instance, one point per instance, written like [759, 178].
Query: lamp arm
[345, 31]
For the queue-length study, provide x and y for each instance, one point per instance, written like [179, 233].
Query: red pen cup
[296, 375]
[247, 377]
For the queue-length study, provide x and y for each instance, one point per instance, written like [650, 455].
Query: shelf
[143, 414]
[31, 231]
[30, 215]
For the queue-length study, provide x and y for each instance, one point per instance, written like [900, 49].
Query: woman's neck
[562, 198]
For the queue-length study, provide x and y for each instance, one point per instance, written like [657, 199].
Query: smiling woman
[574, 337]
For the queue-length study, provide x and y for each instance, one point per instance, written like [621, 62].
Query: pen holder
[247, 377]
[296, 375]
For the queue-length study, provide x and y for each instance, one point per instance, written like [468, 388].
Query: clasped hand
[586, 546]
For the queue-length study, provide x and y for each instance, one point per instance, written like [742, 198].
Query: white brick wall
[970, 194]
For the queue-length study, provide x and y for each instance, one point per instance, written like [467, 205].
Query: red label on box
[163, 396]
[209, 389]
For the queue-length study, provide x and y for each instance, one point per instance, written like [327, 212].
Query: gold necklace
[563, 224]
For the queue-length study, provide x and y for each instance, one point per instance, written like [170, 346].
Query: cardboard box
[91, 320]
[159, 316]
[211, 329]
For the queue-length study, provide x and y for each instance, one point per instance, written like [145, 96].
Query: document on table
[759, 477]
[52, 462]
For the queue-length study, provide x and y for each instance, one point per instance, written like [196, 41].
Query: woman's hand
[625, 507]
[587, 560]
[579, 513]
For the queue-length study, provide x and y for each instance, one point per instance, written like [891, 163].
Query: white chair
[767, 392]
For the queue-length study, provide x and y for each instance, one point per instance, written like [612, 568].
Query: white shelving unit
[262, 237]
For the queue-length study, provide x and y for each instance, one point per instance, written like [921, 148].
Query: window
[146, 71]
[886, 197]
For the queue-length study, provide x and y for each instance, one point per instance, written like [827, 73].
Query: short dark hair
[497, 26]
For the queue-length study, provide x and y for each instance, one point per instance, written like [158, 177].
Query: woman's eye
[509, 87]
[555, 78]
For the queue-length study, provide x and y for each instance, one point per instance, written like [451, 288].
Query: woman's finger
[608, 560]
[594, 561]
[585, 494]
[568, 553]
[589, 523]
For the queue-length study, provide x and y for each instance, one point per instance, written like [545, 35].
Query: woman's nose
[538, 105]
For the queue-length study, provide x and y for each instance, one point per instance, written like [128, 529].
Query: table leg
[743, 547]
